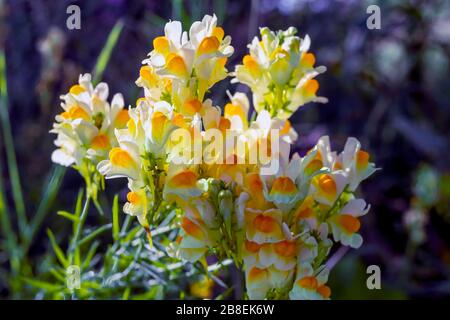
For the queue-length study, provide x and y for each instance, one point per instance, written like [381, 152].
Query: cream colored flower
[279, 70]
[310, 286]
[345, 224]
[85, 128]
[327, 187]
[182, 68]
[355, 163]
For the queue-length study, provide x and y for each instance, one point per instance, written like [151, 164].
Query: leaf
[94, 234]
[90, 254]
[126, 293]
[43, 284]
[59, 253]
[115, 217]
[79, 203]
[106, 52]
[58, 276]
[47, 198]
[68, 215]
[9, 147]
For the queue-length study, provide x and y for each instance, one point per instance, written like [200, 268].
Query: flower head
[280, 72]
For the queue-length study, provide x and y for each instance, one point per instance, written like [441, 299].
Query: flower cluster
[85, 129]
[175, 78]
[279, 228]
[280, 72]
[243, 197]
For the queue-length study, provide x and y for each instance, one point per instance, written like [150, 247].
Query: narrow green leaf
[126, 293]
[48, 197]
[77, 256]
[79, 203]
[43, 284]
[90, 254]
[77, 228]
[106, 52]
[9, 147]
[68, 215]
[59, 253]
[58, 275]
[115, 217]
[94, 234]
[98, 207]
[132, 233]
[6, 228]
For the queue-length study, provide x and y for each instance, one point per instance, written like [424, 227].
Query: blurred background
[387, 87]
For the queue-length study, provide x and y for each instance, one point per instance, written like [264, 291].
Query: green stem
[83, 216]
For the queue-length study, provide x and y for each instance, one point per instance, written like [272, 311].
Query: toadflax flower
[182, 66]
[280, 72]
[85, 128]
[140, 157]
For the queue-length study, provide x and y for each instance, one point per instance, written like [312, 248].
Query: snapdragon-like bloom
[280, 72]
[182, 66]
[140, 156]
[85, 128]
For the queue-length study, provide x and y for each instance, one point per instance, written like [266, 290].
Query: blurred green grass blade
[79, 203]
[47, 286]
[47, 199]
[115, 217]
[5, 221]
[94, 234]
[125, 225]
[90, 254]
[78, 226]
[77, 257]
[6, 228]
[177, 9]
[220, 9]
[98, 207]
[57, 275]
[106, 52]
[9, 146]
[58, 251]
[126, 293]
[68, 215]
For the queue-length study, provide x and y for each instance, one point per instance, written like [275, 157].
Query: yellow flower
[85, 128]
[181, 183]
[327, 187]
[263, 226]
[345, 224]
[308, 286]
[192, 65]
[280, 72]
[282, 255]
[355, 163]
